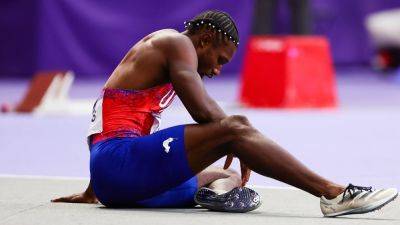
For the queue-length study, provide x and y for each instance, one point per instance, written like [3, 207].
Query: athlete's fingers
[245, 171]
[77, 198]
[62, 199]
[242, 172]
[228, 161]
[248, 175]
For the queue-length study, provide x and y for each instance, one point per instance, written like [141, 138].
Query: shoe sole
[365, 209]
[238, 200]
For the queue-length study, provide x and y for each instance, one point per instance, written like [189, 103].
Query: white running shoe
[357, 200]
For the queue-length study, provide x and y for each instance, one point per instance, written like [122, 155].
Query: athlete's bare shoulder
[156, 55]
[171, 37]
[173, 44]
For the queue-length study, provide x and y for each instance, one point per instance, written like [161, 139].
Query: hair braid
[218, 20]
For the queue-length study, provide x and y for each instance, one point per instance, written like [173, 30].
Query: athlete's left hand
[245, 171]
[78, 198]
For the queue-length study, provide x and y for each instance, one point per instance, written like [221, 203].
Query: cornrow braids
[220, 21]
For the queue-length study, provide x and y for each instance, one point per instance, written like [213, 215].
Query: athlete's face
[213, 56]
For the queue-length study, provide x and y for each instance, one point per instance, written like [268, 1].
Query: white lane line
[86, 178]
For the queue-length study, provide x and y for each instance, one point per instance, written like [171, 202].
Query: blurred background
[90, 37]
[321, 77]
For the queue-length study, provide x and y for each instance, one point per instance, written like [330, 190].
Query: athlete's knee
[239, 119]
[237, 125]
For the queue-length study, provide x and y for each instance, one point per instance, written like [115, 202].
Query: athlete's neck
[193, 38]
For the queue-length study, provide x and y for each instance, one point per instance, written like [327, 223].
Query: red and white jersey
[129, 113]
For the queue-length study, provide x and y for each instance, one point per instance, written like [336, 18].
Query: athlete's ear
[205, 39]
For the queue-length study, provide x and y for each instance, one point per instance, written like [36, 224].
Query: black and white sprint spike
[238, 200]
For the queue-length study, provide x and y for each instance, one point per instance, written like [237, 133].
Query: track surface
[26, 201]
[358, 142]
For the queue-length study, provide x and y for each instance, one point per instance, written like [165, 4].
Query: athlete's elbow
[201, 117]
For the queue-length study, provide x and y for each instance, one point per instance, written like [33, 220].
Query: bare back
[167, 56]
[145, 65]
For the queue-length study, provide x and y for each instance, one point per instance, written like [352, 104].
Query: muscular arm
[182, 64]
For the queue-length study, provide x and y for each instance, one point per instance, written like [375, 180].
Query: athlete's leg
[218, 179]
[206, 143]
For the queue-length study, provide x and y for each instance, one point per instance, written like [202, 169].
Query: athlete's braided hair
[221, 21]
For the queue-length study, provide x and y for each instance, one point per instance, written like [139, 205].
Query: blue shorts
[149, 171]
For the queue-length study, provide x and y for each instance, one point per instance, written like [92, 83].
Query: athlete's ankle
[332, 191]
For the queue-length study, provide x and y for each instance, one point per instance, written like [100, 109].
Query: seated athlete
[132, 164]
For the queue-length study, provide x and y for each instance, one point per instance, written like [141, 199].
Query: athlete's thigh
[205, 144]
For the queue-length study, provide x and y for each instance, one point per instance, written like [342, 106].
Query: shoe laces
[352, 189]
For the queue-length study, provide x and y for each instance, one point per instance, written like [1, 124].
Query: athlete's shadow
[198, 211]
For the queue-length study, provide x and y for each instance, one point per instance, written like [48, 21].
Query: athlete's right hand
[245, 171]
[78, 198]
[228, 161]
